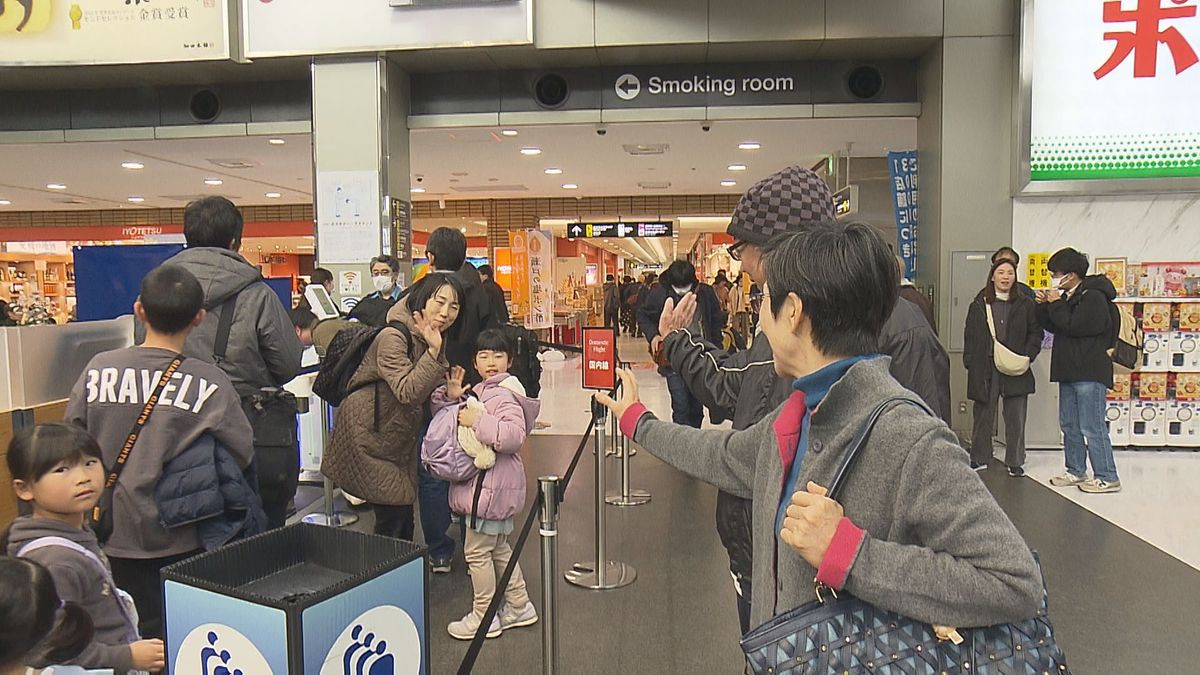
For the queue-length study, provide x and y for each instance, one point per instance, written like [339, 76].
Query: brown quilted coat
[380, 466]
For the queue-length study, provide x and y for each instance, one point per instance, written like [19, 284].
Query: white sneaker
[466, 627]
[515, 618]
[1097, 486]
[1067, 479]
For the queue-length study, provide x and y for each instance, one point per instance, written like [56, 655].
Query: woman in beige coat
[375, 445]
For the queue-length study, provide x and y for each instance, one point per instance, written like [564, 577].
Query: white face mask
[681, 289]
[383, 284]
[1058, 283]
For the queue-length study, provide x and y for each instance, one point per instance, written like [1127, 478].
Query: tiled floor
[1159, 500]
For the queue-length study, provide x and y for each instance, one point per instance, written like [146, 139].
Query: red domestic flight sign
[599, 358]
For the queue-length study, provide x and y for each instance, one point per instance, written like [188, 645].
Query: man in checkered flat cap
[745, 384]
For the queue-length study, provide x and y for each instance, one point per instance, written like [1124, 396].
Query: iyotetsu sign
[1116, 86]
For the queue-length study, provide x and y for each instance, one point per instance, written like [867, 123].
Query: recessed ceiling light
[463, 229]
[55, 186]
[5, 202]
[213, 181]
[417, 190]
[136, 200]
[728, 183]
[749, 146]
[277, 141]
[737, 167]
[530, 152]
[570, 186]
[509, 132]
[553, 172]
[133, 166]
[272, 195]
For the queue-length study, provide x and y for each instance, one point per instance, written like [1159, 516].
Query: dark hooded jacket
[205, 487]
[79, 580]
[263, 350]
[1083, 332]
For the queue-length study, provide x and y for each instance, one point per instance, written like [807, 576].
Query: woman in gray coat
[1017, 328]
[915, 531]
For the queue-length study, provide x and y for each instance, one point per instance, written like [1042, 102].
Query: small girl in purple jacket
[489, 500]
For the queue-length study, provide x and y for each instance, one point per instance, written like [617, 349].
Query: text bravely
[135, 386]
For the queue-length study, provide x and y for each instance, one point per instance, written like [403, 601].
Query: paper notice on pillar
[348, 216]
[68, 32]
[541, 280]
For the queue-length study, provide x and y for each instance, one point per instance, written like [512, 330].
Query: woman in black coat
[1018, 329]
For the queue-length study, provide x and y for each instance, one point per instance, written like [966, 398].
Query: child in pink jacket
[490, 499]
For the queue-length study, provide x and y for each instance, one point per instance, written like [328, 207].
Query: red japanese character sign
[1150, 27]
[599, 358]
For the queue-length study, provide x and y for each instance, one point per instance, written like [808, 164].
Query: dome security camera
[601, 131]
[706, 127]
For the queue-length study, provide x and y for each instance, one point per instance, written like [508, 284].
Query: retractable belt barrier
[535, 511]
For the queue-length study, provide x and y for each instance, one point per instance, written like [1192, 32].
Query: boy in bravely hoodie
[198, 399]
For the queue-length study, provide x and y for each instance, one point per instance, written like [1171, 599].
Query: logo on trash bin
[381, 641]
[213, 649]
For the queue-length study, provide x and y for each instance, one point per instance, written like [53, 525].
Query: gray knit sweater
[937, 547]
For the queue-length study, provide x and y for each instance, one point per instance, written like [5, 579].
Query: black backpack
[525, 364]
[343, 357]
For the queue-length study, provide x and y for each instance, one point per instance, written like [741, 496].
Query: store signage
[1115, 86]
[903, 169]
[845, 201]
[619, 230]
[599, 358]
[518, 244]
[75, 32]
[541, 280]
[303, 27]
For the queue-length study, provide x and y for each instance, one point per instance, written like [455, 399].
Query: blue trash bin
[302, 599]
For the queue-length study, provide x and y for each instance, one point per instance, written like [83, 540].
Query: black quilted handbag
[847, 635]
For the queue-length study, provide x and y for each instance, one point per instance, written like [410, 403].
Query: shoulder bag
[101, 517]
[1007, 361]
[843, 634]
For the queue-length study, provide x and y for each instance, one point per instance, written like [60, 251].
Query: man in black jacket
[495, 294]
[1078, 310]
[746, 382]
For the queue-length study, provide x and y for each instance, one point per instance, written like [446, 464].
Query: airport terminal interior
[581, 149]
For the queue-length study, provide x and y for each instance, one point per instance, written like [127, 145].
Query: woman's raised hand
[629, 394]
[429, 333]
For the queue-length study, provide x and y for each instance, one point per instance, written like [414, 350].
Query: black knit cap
[781, 202]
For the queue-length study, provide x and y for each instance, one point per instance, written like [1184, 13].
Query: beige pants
[487, 555]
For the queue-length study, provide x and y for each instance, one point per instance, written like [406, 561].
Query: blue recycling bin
[302, 599]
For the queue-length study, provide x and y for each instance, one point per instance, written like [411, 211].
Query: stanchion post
[330, 517]
[627, 496]
[601, 574]
[548, 487]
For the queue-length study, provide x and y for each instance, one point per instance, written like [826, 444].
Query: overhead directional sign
[628, 87]
[619, 230]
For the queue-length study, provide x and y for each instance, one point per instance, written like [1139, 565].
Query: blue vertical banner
[903, 168]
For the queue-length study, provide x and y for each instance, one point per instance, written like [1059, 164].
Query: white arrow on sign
[623, 229]
[628, 87]
[576, 230]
